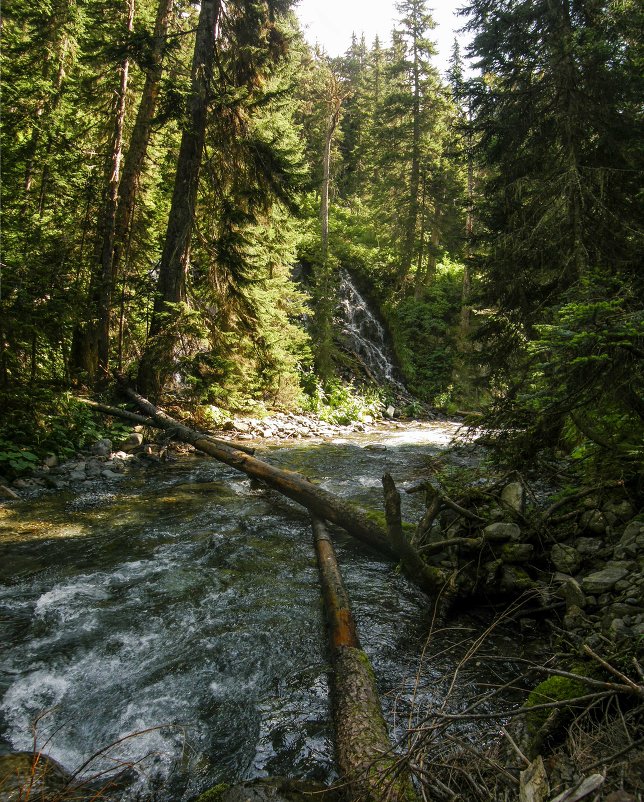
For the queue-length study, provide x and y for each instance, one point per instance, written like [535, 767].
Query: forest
[188, 189]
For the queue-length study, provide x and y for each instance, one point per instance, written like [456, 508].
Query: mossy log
[371, 771]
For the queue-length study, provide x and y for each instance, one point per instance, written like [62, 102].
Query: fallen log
[372, 772]
[319, 502]
[117, 412]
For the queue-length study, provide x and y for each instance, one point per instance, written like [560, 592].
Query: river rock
[132, 441]
[390, 412]
[604, 580]
[631, 541]
[102, 448]
[24, 775]
[565, 558]
[50, 461]
[514, 579]
[594, 521]
[588, 547]
[106, 473]
[241, 426]
[570, 591]
[7, 492]
[513, 495]
[517, 552]
[502, 530]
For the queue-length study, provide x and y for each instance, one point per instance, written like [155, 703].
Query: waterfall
[363, 334]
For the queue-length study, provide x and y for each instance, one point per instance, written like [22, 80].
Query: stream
[182, 603]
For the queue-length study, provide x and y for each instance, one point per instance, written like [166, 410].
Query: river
[186, 600]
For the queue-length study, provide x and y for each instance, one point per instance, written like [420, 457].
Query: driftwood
[365, 759]
[319, 502]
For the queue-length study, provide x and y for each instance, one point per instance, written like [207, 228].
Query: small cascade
[364, 334]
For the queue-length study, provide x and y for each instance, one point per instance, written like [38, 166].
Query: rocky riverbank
[106, 461]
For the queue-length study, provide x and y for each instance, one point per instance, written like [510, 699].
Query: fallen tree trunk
[320, 503]
[365, 759]
[117, 412]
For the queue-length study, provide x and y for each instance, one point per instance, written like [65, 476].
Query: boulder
[517, 552]
[7, 492]
[570, 591]
[25, 775]
[620, 509]
[102, 448]
[132, 441]
[588, 546]
[50, 461]
[514, 579]
[513, 495]
[594, 521]
[241, 426]
[604, 580]
[501, 531]
[390, 412]
[565, 558]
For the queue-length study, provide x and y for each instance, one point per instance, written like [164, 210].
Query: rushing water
[188, 598]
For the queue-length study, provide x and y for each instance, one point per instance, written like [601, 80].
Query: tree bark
[365, 759]
[135, 156]
[104, 287]
[156, 363]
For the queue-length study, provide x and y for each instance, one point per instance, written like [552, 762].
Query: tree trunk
[156, 363]
[366, 762]
[135, 156]
[104, 289]
[414, 177]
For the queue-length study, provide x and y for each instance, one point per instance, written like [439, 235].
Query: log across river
[183, 597]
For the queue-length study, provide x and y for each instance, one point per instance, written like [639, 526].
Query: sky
[330, 23]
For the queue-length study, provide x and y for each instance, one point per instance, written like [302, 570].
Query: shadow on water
[186, 598]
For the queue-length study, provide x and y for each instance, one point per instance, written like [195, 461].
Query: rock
[620, 509]
[241, 426]
[565, 558]
[93, 469]
[570, 591]
[390, 412]
[102, 448]
[604, 580]
[502, 530]
[575, 620]
[108, 474]
[594, 521]
[25, 775]
[132, 441]
[631, 541]
[367, 419]
[268, 433]
[513, 495]
[588, 546]
[50, 461]
[517, 552]
[7, 492]
[272, 789]
[514, 579]
[228, 425]
[375, 447]
[78, 475]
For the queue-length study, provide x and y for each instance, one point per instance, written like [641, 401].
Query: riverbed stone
[272, 789]
[513, 495]
[101, 448]
[7, 492]
[517, 552]
[588, 547]
[24, 775]
[514, 579]
[570, 591]
[565, 558]
[594, 521]
[132, 441]
[604, 580]
[50, 461]
[502, 530]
